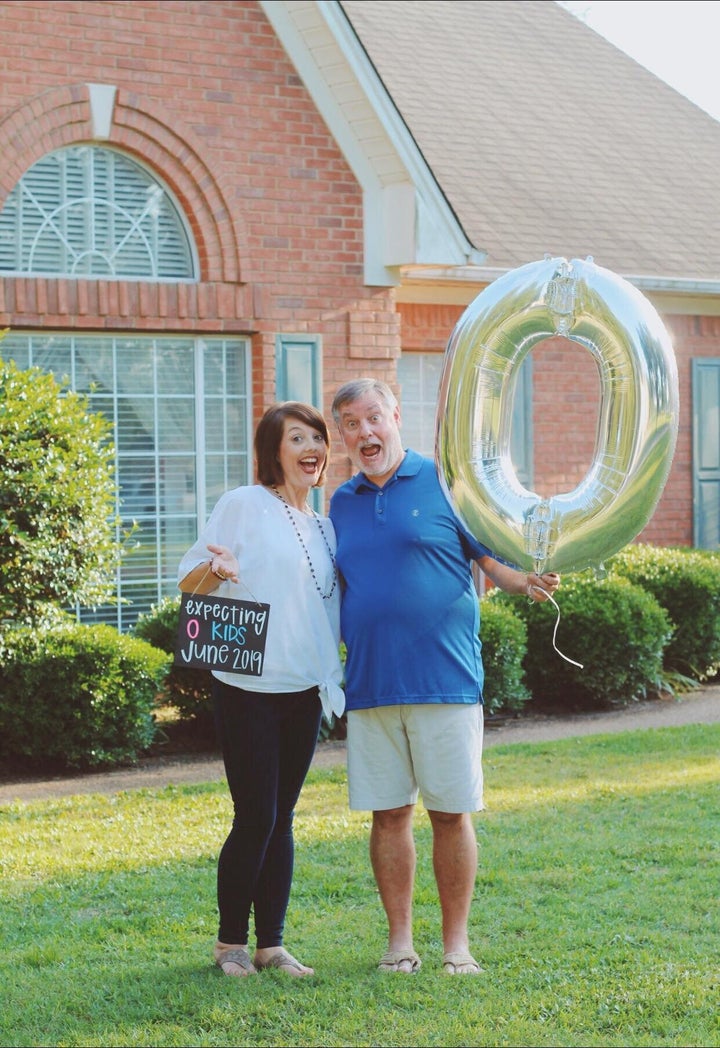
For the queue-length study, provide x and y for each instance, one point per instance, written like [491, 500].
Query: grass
[595, 914]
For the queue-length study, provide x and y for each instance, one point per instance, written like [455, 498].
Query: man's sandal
[391, 961]
[284, 961]
[460, 962]
[238, 956]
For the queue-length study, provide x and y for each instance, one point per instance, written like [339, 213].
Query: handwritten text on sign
[215, 633]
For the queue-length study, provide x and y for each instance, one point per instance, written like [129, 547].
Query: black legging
[267, 741]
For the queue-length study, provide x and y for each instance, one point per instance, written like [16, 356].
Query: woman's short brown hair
[268, 436]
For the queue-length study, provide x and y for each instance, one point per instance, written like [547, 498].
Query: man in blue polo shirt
[414, 675]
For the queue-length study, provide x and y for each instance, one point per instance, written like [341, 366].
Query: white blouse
[303, 636]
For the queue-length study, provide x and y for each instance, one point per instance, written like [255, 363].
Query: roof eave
[460, 284]
[475, 274]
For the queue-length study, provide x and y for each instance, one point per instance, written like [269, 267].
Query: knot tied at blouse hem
[332, 698]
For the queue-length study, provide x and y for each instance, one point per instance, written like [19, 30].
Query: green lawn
[596, 913]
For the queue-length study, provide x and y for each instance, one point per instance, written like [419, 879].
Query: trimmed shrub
[187, 689]
[57, 499]
[79, 696]
[686, 583]
[504, 644]
[615, 629]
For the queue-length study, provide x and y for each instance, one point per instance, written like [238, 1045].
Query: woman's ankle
[222, 947]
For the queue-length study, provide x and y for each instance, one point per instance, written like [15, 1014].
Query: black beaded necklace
[288, 510]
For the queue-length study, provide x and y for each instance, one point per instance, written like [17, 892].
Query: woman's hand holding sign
[224, 565]
[208, 576]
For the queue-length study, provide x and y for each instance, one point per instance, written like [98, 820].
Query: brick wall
[207, 97]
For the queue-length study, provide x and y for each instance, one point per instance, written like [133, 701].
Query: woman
[264, 543]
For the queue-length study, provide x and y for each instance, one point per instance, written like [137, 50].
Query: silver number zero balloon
[637, 425]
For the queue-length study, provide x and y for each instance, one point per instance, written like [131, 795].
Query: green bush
[57, 499]
[686, 583]
[186, 688]
[79, 696]
[615, 629]
[504, 644]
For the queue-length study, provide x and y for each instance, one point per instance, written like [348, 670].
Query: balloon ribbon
[557, 623]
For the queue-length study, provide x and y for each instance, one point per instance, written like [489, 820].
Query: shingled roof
[544, 138]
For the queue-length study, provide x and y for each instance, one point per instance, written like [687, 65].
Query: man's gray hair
[358, 387]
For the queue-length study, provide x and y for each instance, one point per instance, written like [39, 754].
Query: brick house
[207, 206]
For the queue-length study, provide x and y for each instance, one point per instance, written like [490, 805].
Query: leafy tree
[57, 499]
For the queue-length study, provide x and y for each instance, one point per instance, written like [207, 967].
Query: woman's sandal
[458, 959]
[284, 961]
[238, 956]
[391, 961]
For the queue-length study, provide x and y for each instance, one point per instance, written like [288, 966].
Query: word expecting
[222, 634]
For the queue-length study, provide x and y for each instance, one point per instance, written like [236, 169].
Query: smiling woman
[263, 541]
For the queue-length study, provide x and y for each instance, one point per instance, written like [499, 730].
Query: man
[413, 677]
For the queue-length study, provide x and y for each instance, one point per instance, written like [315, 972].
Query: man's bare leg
[455, 865]
[392, 854]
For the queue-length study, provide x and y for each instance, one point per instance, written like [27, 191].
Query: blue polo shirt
[410, 614]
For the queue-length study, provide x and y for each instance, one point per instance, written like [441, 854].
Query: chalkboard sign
[216, 633]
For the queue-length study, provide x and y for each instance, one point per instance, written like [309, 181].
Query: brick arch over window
[61, 117]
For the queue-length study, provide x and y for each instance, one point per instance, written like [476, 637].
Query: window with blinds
[181, 415]
[419, 376]
[87, 211]
[419, 379]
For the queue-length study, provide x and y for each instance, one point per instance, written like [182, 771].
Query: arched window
[87, 211]
[180, 404]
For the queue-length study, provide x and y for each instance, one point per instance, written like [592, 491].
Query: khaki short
[395, 753]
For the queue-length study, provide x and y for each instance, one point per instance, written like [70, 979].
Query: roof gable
[408, 220]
